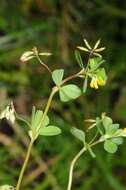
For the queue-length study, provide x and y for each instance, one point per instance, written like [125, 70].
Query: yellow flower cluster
[95, 82]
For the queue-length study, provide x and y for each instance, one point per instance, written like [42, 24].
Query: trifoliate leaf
[69, 92]
[79, 134]
[57, 76]
[79, 59]
[110, 146]
[50, 131]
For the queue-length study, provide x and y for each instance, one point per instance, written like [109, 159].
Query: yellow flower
[97, 81]
[124, 129]
[94, 83]
[124, 132]
[101, 82]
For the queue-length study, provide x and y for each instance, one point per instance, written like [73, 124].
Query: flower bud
[27, 56]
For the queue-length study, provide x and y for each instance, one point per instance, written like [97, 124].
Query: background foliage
[59, 26]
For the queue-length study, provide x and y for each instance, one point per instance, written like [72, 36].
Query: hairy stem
[24, 165]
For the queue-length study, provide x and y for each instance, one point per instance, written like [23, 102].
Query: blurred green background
[59, 26]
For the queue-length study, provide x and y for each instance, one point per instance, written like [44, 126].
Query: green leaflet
[117, 140]
[79, 134]
[111, 129]
[50, 131]
[110, 146]
[36, 119]
[107, 121]
[79, 59]
[69, 92]
[57, 76]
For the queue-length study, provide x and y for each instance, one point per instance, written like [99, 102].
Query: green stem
[43, 64]
[54, 90]
[75, 160]
[24, 165]
[72, 167]
[72, 77]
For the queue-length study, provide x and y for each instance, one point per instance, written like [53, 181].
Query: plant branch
[79, 74]
[72, 167]
[84, 149]
[43, 64]
[54, 90]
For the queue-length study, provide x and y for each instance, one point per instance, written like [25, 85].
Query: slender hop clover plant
[107, 132]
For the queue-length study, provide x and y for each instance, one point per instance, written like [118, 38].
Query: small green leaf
[85, 84]
[117, 140]
[50, 131]
[79, 59]
[118, 133]
[111, 129]
[99, 125]
[57, 76]
[36, 119]
[110, 146]
[69, 92]
[79, 134]
[106, 122]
